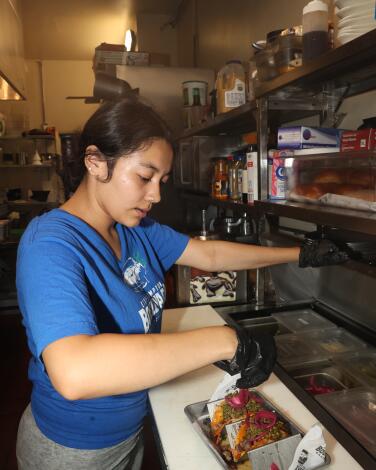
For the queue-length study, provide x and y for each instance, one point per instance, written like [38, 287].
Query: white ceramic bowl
[350, 34]
[347, 3]
[355, 10]
[356, 21]
[347, 38]
[343, 32]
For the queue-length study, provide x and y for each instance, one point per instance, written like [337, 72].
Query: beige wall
[71, 29]
[154, 35]
[62, 78]
[162, 88]
[226, 29]
[186, 31]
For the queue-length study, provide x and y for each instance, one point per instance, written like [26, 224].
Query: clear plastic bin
[323, 378]
[345, 179]
[302, 320]
[336, 341]
[356, 410]
[362, 366]
[295, 350]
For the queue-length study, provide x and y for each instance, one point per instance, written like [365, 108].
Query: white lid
[315, 5]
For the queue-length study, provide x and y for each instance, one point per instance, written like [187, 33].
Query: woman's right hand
[254, 358]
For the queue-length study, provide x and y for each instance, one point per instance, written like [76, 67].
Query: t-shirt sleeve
[167, 242]
[52, 293]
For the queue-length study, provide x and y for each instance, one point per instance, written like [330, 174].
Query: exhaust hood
[8, 92]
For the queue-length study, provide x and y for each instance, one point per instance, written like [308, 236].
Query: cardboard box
[301, 137]
[116, 54]
[364, 139]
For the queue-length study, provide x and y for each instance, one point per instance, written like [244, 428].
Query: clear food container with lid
[356, 410]
[302, 320]
[346, 179]
[336, 341]
[361, 365]
[293, 349]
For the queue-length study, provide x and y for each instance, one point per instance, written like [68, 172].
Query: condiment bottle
[315, 29]
[220, 178]
[244, 179]
[233, 177]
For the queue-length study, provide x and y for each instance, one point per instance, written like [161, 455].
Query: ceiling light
[130, 40]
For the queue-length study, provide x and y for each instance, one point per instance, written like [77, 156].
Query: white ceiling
[71, 29]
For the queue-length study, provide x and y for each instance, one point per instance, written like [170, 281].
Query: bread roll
[352, 190]
[360, 177]
[312, 191]
[330, 176]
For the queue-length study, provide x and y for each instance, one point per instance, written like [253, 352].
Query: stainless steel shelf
[347, 219]
[236, 121]
[243, 119]
[202, 199]
[352, 64]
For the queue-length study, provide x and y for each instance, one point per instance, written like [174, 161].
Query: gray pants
[36, 452]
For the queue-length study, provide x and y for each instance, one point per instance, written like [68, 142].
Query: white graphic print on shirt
[153, 300]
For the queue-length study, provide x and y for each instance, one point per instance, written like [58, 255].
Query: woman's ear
[95, 163]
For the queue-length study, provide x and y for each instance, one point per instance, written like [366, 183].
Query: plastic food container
[346, 179]
[295, 350]
[336, 341]
[289, 51]
[356, 411]
[362, 366]
[302, 320]
[195, 93]
[323, 378]
[266, 64]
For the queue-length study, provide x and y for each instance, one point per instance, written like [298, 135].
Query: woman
[90, 285]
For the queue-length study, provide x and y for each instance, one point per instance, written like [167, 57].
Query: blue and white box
[303, 137]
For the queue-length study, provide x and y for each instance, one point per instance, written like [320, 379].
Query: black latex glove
[317, 251]
[254, 358]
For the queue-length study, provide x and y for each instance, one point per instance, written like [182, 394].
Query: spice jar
[220, 178]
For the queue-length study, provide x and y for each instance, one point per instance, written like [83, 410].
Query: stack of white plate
[355, 17]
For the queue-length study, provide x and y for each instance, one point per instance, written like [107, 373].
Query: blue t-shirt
[70, 282]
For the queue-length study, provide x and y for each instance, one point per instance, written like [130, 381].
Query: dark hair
[118, 128]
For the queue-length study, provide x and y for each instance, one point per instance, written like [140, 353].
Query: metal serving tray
[199, 416]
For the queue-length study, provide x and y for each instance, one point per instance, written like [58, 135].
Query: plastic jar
[195, 93]
[315, 29]
[230, 86]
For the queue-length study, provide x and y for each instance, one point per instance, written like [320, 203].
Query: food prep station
[179, 407]
[330, 369]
